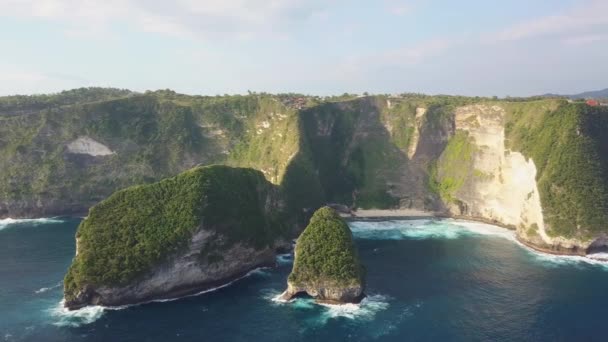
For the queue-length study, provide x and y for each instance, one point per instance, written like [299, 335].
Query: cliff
[535, 165]
[326, 263]
[204, 227]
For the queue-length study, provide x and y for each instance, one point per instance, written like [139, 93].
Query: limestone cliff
[326, 263]
[482, 175]
[535, 165]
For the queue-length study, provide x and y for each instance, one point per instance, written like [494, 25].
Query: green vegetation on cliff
[326, 253]
[345, 149]
[135, 229]
[569, 146]
[23, 104]
[450, 171]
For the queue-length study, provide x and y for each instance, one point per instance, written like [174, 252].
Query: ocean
[428, 280]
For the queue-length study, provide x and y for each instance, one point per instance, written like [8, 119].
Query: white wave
[480, 228]
[89, 314]
[455, 228]
[75, 318]
[284, 259]
[7, 222]
[366, 310]
[45, 289]
[552, 260]
[598, 256]
[424, 229]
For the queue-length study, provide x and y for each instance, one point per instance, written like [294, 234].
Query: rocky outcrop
[87, 145]
[325, 293]
[326, 263]
[202, 229]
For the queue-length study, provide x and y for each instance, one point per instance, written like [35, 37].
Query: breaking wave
[366, 310]
[424, 229]
[551, 260]
[285, 259]
[8, 222]
[75, 318]
[89, 314]
[454, 229]
[46, 289]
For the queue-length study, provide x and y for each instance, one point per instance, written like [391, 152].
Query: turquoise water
[428, 280]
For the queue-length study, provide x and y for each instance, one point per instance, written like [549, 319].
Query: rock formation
[326, 263]
[203, 228]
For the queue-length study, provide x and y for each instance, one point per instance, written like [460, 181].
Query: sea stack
[203, 228]
[326, 263]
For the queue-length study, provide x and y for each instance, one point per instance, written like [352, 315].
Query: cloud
[180, 18]
[583, 24]
[591, 16]
[406, 56]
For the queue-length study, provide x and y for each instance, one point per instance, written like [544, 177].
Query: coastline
[413, 214]
[184, 292]
[547, 250]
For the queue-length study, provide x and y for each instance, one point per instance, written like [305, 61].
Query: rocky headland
[326, 263]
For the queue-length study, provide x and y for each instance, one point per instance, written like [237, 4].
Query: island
[326, 263]
[201, 229]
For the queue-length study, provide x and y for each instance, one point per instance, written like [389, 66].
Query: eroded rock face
[187, 272]
[201, 229]
[501, 184]
[326, 294]
[326, 264]
[86, 145]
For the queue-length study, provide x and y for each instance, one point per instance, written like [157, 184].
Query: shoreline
[414, 214]
[177, 294]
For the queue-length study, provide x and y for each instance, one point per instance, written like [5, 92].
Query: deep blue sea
[428, 280]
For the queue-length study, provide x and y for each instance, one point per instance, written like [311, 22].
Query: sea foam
[284, 259]
[46, 289]
[366, 310]
[89, 314]
[454, 229]
[424, 229]
[75, 318]
[8, 222]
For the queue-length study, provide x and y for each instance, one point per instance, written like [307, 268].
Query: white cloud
[181, 18]
[583, 24]
[401, 57]
[590, 16]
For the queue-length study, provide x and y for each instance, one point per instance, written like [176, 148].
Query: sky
[322, 47]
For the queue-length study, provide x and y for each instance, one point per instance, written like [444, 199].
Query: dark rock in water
[326, 263]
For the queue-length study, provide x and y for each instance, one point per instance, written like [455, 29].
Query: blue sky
[320, 47]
